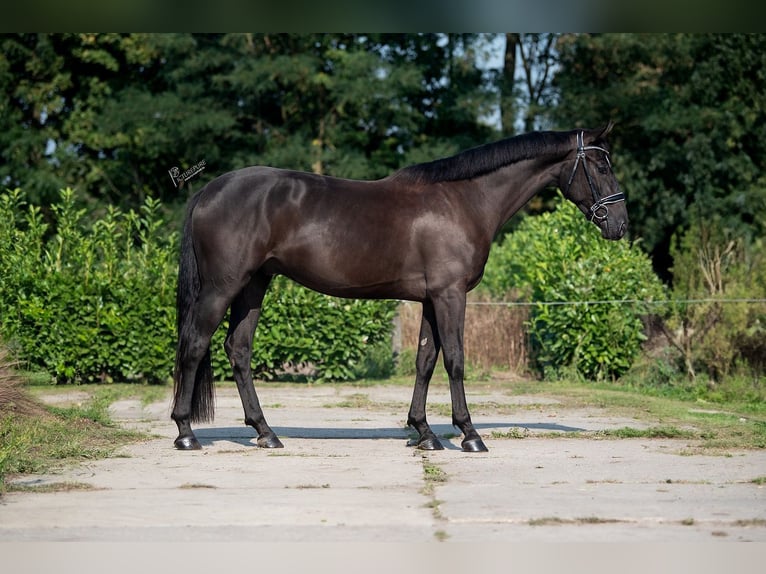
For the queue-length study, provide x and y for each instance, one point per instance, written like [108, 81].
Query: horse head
[592, 185]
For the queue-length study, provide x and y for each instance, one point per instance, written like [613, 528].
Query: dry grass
[494, 335]
[14, 399]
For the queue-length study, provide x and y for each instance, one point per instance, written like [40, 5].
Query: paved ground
[346, 475]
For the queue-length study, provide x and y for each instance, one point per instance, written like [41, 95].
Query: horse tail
[187, 293]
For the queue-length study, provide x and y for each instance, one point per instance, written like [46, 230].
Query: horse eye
[603, 170]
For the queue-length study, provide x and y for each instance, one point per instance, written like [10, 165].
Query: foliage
[690, 111]
[712, 333]
[13, 397]
[585, 288]
[527, 100]
[304, 333]
[36, 442]
[88, 302]
[97, 303]
[110, 114]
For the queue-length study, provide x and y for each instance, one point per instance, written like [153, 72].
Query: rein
[599, 209]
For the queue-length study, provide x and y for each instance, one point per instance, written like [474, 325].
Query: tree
[112, 113]
[527, 98]
[690, 109]
[108, 112]
[31, 82]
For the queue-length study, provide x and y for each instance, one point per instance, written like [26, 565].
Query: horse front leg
[428, 351]
[245, 312]
[450, 318]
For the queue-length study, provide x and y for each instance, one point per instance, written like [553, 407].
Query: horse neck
[509, 188]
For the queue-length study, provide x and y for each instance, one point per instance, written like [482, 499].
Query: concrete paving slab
[346, 475]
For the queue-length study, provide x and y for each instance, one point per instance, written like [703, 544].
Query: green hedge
[316, 336]
[560, 257]
[96, 302]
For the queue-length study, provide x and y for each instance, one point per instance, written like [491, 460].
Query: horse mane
[486, 158]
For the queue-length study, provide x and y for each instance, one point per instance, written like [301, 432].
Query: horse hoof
[474, 445]
[427, 443]
[187, 443]
[269, 441]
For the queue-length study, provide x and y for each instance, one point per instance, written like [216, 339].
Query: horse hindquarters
[211, 278]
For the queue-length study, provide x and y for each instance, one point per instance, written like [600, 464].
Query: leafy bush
[716, 321]
[585, 287]
[303, 332]
[88, 303]
[96, 302]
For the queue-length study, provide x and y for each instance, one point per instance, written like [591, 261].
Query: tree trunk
[508, 84]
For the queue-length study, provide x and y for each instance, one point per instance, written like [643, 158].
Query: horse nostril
[623, 228]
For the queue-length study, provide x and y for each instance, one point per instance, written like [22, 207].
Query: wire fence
[496, 331]
[614, 302]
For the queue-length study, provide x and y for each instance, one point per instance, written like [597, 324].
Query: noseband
[599, 210]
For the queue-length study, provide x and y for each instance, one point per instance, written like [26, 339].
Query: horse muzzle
[613, 230]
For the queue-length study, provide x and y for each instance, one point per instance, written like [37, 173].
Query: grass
[433, 475]
[355, 401]
[751, 523]
[100, 396]
[65, 486]
[620, 433]
[652, 432]
[52, 437]
[42, 443]
[712, 427]
[362, 401]
[556, 521]
[512, 433]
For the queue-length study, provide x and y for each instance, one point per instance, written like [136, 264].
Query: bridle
[599, 210]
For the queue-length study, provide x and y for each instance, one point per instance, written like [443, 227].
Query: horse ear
[597, 135]
[606, 130]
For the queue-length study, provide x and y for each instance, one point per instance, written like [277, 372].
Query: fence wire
[614, 302]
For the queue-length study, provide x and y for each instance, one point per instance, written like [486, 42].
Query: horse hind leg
[245, 312]
[194, 392]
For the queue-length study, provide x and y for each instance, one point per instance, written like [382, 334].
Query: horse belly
[354, 265]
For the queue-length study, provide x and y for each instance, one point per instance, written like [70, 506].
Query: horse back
[343, 237]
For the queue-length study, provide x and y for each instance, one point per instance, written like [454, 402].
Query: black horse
[422, 234]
